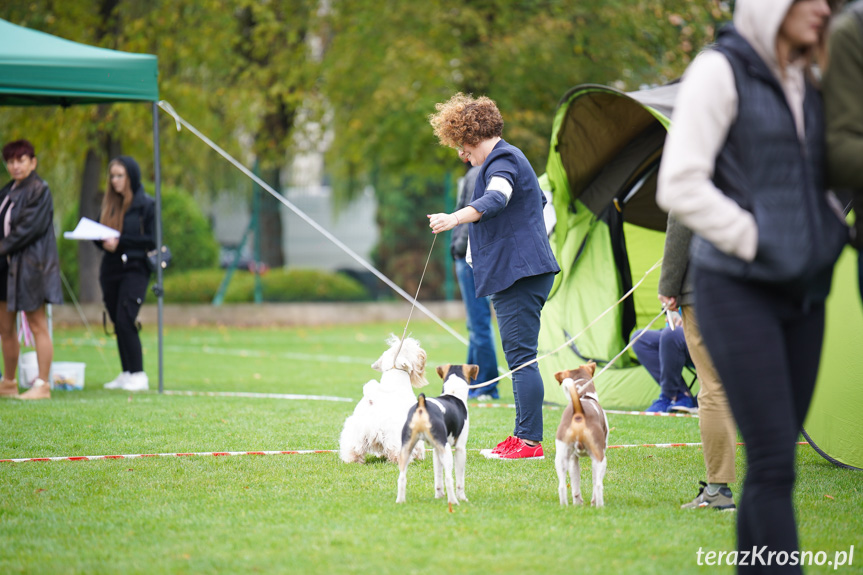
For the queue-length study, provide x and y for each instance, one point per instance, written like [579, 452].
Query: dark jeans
[480, 350]
[663, 353]
[123, 294]
[518, 310]
[766, 347]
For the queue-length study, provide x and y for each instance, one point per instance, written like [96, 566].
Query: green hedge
[280, 285]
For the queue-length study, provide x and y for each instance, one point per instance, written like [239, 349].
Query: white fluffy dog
[375, 427]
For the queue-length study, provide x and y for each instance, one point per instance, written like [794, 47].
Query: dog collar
[394, 368]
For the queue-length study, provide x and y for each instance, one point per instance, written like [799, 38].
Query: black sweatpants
[766, 346]
[123, 293]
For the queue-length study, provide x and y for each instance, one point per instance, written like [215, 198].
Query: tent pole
[157, 289]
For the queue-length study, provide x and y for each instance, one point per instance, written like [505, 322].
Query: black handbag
[153, 258]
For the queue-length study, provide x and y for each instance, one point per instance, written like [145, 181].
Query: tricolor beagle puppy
[443, 422]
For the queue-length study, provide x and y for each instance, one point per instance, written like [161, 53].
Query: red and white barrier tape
[144, 455]
[674, 445]
[288, 452]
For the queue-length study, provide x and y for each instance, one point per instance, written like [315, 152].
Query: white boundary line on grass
[257, 395]
[215, 350]
[292, 396]
[555, 408]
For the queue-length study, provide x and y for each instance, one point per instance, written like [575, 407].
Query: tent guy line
[568, 342]
[180, 121]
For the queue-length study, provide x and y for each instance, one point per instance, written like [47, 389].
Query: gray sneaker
[721, 500]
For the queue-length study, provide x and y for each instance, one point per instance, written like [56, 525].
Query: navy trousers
[518, 310]
[664, 354]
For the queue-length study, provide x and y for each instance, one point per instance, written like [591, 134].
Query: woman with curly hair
[508, 249]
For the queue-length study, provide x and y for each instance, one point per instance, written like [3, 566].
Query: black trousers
[123, 293]
[766, 346]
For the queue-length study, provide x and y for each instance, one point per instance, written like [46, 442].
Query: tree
[274, 58]
[191, 39]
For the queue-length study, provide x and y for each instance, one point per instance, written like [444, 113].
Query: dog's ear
[591, 367]
[560, 376]
[442, 369]
[471, 371]
[377, 365]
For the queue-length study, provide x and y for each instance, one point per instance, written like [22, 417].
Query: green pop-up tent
[602, 170]
[605, 151]
[38, 69]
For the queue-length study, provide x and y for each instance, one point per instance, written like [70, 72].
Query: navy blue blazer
[509, 242]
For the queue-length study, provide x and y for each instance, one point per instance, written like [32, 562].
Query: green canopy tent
[38, 69]
[605, 151]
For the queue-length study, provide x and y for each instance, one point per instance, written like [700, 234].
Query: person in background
[843, 109]
[508, 249]
[715, 421]
[663, 354]
[742, 167]
[29, 266]
[480, 349]
[124, 274]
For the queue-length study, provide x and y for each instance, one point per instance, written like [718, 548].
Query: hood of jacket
[133, 170]
[758, 21]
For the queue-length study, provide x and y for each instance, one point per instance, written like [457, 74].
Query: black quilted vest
[768, 171]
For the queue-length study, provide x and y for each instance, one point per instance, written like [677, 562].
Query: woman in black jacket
[29, 266]
[124, 274]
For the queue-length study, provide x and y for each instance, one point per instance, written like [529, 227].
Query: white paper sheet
[87, 229]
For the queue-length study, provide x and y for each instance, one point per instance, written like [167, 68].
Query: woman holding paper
[29, 266]
[124, 274]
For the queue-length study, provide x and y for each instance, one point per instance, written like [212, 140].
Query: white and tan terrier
[583, 431]
[375, 427]
[443, 422]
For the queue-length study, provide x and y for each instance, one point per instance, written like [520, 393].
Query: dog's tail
[578, 411]
[578, 428]
[419, 425]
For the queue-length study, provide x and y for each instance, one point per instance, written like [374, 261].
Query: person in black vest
[743, 168]
[480, 349]
[29, 267]
[508, 249]
[124, 274]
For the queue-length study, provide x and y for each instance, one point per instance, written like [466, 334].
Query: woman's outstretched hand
[442, 222]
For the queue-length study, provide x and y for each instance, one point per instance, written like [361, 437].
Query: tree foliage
[249, 73]
[524, 55]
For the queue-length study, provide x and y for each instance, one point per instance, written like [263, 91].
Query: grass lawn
[314, 514]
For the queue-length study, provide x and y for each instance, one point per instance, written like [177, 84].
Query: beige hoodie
[705, 109]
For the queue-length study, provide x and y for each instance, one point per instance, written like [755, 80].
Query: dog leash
[579, 334]
[414, 304]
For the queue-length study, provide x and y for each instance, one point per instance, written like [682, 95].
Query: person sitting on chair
[664, 354]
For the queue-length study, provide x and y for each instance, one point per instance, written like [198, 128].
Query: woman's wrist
[457, 221]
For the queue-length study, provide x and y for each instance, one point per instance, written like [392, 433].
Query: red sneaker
[504, 445]
[521, 450]
[501, 448]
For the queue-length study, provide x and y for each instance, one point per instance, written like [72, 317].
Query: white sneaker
[117, 382]
[137, 381]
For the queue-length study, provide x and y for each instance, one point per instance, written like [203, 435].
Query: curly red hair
[464, 119]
